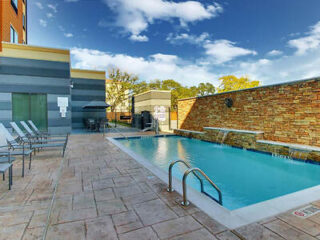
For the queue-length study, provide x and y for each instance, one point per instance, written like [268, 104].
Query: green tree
[205, 89]
[231, 83]
[140, 87]
[119, 87]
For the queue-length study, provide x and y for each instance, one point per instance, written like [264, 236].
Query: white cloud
[157, 66]
[188, 38]
[71, 0]
[224, 50]
[274, 53]
[136, 15]
[43, 23]
[53, 7]
[68, 35]
[139, 38]
[39, 5]
[310, 42]
[49, 15]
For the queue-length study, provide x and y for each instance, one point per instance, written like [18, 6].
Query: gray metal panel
[59, 130]
[53, 97]
[6, 114]
[88, 92]
[57, 115]
[33, 89]
[88, 81]
[88, 86]
[80, 109]
[20, 66]
[5, 106]
[34, 80]
[88, 98]
[5, 97]
[59, 122]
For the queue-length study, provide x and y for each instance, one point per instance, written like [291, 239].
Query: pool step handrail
[185, 201]
[170, 189]
[195, 171]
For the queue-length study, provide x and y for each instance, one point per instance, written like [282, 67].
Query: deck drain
[306, 212]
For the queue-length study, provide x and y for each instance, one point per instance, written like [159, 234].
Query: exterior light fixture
[228, 102]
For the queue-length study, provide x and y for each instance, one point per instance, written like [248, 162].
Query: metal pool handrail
[185, 202]
[170, 189]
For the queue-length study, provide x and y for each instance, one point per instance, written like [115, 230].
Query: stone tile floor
[102, 193]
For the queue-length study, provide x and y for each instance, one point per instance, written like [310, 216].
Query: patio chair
[42, 133]
[36, 144]
[6, 165]
[41, 139]
[15, 149]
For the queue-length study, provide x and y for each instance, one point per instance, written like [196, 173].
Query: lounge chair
[41, 139]
[6, 165]
[36, 144]
[15, 149]
[41, 133]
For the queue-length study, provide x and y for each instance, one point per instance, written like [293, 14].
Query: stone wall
[285, 112]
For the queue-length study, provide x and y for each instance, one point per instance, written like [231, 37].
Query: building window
[13, 35]
[14, 4]
[23, 21]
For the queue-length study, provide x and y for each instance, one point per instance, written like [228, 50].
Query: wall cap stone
[233, 130]
[188, 131]
[291, 145]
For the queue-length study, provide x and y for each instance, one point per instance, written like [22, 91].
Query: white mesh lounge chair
[15, 149]
[36, 144]
[41, 139]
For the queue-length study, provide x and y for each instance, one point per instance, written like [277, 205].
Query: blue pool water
[244, 177]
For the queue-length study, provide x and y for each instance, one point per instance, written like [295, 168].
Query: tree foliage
[119, 87]
[231, 83]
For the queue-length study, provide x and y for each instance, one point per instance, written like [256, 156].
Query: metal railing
[185, 201]
[195, 172]
[170, 189]
[117, 130]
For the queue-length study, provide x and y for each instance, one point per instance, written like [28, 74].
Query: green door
[38, 110]
[30, 107]
[20, 107]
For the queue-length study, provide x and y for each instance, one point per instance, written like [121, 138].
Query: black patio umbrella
[96, 105]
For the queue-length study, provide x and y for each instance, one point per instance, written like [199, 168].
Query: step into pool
[244, 177]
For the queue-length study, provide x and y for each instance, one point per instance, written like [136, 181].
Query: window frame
[24, 21]
[15, 35]
[14, 5]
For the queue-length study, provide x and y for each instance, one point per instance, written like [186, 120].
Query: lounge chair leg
[23, 166]
[30, 158]
[10, 177]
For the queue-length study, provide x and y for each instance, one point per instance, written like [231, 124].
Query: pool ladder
[195, 172]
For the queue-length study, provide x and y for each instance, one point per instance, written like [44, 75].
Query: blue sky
[189, 41]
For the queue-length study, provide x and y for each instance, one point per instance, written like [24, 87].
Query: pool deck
[99, 192]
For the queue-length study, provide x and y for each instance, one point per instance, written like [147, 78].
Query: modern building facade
[13, 21]
[36, 83]
[87, 85]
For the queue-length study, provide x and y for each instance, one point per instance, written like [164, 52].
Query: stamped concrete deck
[102, 193]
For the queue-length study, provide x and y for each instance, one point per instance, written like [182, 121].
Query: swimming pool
[244, 177]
